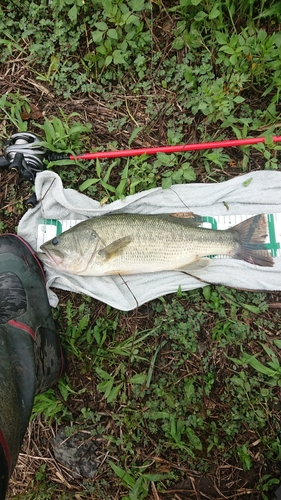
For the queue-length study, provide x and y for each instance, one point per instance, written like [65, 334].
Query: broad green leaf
[189, 388]
[226, 49]
[78, 129]
[123, 475]
[164, 158]
[271, 354]
[138, 378]
[239, 362]
[177, 44]
[237, 381]
[207, 292]
[189, 174]
[221, 37]
[72, 13]
[113, 393]
[88, 183]
[108, 172]
[253, 309]
[103, 374]
[200, 16]
[258, 366]
[244, 457]
[98, 168]
[134, 134]
[106, 386]
[132, 19]
[214, 13]
[188, 75]
[112, 33]
[277, 343]
[238, 99]
[118, 57]
[167, 182]
[136, 5]
[101, 26]
[108, 60]
[193, 439]
[140, 489]
[107, 186]
[97, 36]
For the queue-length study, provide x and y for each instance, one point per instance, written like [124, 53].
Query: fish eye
[55, 241]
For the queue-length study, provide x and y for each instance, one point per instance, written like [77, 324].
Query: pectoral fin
[196, 265]
[115, 248]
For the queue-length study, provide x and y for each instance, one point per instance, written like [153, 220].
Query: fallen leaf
[33, 114]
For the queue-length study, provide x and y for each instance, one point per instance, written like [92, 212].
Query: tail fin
[251, 235]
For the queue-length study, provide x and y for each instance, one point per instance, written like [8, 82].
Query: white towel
[251, 194]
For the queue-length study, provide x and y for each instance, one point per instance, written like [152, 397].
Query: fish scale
[179, 242]
[134, 243]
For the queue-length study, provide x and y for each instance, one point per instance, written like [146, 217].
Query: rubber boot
[31, 359]
[276, 495]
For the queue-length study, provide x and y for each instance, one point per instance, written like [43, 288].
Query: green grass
[184, 384]
[194, 378]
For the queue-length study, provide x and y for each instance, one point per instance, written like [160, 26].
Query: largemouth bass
[131, 244]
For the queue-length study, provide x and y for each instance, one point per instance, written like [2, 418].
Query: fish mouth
[53, 258]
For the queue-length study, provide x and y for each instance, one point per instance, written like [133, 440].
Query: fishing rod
[33, 154]
[163, 149]
[23, 153]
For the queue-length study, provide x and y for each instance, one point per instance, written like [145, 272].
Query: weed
[272, 369]
[64, 135]
[50, 406]
[40, 488]
[244, 456]
[137, 482]
[53, 33]
[138, 174]
[12, 106]
[267, 482]
[194, 378]
[115, 34]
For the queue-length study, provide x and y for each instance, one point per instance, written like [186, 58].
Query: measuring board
[49, 228]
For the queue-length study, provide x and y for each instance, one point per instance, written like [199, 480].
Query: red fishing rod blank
[172, 149]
